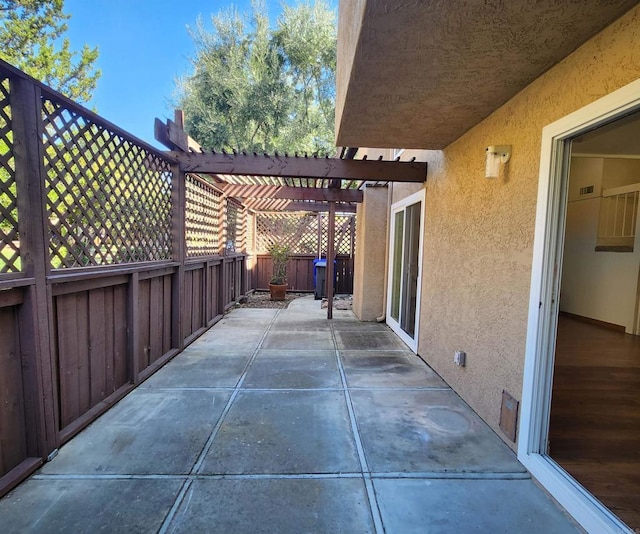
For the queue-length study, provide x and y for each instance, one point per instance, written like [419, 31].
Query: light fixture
[496, 154]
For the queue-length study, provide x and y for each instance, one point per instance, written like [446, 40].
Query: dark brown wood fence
[300, 273]
[98, 285]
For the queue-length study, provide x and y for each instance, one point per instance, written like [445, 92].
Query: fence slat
[97, 346]
[13, 440]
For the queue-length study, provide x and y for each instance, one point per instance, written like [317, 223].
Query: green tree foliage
[32, 39]
[259, 88]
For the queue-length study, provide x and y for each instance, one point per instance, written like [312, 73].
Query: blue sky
[144, 45]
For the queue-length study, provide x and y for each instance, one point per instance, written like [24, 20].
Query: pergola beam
[301, 167]
[173, 136]
[292, 193]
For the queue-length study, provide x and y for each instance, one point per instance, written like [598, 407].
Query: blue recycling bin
[320, 277]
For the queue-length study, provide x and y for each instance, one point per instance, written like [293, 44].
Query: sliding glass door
[403, 302]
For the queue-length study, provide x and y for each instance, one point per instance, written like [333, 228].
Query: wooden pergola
[284, 182]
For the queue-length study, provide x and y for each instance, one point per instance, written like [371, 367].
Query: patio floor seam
[374, 508]
[432, 475]
[208, 444]
[253, 389]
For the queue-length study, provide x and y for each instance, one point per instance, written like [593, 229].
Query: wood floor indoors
[595, 413]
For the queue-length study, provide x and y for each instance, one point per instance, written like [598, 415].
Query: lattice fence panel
[108, 199]
[236, 226]
[300, 231]
[202, 223]
[251, 224]
[241, 232]
[345, 234]
[9, 235]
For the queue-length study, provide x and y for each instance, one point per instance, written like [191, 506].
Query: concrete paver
[148, 432]
[432, 431]
[276, 506]
[284, 432]
[49, 505]
[295, 340]
[367, 369]
[258, 427]
[274, 369]
[446, 506]
[195, 369]
[233, 339]
[369, 340]
[293, 325]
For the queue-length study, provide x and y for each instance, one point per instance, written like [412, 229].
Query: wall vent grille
[586, 190]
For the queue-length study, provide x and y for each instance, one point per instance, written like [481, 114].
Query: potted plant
[280, 259]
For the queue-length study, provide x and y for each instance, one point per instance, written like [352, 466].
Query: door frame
[543, 303]
[415, 198]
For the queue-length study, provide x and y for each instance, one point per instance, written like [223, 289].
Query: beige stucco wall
[479, 233]
[370, 259]
[350, 22]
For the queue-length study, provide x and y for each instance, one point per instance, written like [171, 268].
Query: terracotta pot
[278, 292]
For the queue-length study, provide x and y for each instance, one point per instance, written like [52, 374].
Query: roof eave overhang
[421, 74]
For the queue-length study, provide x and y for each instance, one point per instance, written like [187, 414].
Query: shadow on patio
[282, 421]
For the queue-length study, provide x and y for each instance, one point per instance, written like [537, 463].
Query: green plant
[280, 259]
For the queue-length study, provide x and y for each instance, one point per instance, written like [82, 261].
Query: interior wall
[479, 233]
[599, 285]
[620, 171]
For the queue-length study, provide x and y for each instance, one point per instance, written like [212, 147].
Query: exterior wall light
[496, 154]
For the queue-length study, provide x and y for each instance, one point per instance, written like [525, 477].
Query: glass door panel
[396, 279]
[410, 262]
[404, 269]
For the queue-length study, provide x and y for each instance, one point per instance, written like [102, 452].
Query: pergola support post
[331, 236]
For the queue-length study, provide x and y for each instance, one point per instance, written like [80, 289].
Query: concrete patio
[280, 421]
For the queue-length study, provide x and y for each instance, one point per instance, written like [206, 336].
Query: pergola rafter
[292, 193]
[319, 207]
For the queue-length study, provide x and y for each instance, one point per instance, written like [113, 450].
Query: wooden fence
[98, 285]
[300, 273]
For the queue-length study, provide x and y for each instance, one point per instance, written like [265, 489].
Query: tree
[32, 39]
[261, 89]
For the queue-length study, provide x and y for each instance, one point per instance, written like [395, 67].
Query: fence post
[133, 330]
[331, 236]
[223, 280]
[319, 247]
[36, 313]
[178, 203]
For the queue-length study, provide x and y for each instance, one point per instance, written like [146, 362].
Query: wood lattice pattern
[303, 232]
[108, 199]
[9, 236]
[251, 225]
[345, 234]
[236, 226]
[201, 218]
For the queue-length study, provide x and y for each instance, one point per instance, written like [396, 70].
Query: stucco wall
[479, 232]
[350, 22]
[370, 259]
